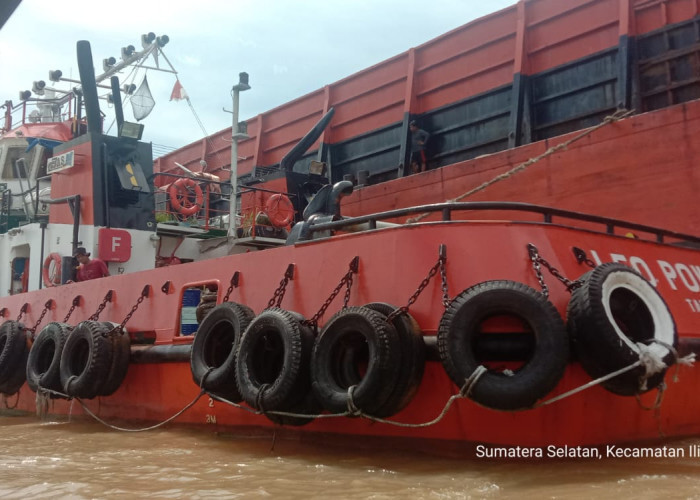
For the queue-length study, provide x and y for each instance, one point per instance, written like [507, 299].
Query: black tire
[121, 349]
[44, 361]
[214, 348]
[459, 332]
[351, 338]
[207, 297]
[615, 309]
[411, 362]
[308, 406]
[14, 351]
[272, 368]
[86, 360]
[203, 309]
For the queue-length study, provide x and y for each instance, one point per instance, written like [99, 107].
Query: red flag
[178, 92]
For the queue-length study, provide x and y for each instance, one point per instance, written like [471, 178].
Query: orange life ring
[52, 279]
[279, 210]
[179, 192]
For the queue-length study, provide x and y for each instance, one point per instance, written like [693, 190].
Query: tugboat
[504, 323]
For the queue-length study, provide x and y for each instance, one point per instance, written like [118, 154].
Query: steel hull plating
[392, 263]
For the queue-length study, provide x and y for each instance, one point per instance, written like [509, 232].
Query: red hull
[392, 264]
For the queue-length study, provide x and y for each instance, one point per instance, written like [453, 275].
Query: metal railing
[548, 214]
[210, 216]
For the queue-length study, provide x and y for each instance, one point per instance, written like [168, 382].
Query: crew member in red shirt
[89, 269]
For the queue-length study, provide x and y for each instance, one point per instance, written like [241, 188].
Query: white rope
[651, 362]
[142, 429]
[617, 115]
[471, 381]
[87, 410]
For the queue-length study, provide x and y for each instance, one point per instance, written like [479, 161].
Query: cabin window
[9, 170]
[197, 301]
[20, 275]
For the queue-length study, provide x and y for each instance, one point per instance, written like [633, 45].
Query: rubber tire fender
[14, 351]
[208, 296]
[86, 360]
[309, 405]
[121, 349]
[613, 300]
[339, 353]
[203, 309]
[44, 361]
[273, 357]
[214, 348]
[411, 364]
[459, 328]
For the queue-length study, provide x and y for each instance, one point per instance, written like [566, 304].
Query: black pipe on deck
[87, 80]
[117, 100]
[160, 353]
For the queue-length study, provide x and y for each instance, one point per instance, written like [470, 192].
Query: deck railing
[447, 210]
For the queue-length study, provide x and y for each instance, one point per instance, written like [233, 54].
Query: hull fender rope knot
[617, 318]
[522, 366]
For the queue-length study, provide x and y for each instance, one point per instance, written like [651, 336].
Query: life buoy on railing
[179, 192]
[52, 273]
[214, 349]
[13, 356]
[463, 332]
[279, 210]
[615, 318]
[272, 366]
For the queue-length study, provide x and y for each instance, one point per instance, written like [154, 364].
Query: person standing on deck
[419, 139]
[89, 269]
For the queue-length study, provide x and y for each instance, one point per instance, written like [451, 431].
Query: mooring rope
[463, 393]
[617, 115]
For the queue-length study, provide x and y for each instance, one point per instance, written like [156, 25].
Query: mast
[235, 136]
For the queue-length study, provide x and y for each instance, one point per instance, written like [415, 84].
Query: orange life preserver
[279, 210]
[179, 196]
[50, 280]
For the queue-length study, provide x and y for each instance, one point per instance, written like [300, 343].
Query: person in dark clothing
[89, 268]
[419, 139]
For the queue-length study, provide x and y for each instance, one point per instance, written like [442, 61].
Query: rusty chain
[440, 265]
[538, 261]
[76, 303]
[234, 284]
[47, 306]
[345, 281]
[145, 293]
[277, 297]
[582, 257]
[22, 311]
[348, 287]
[103, 304]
